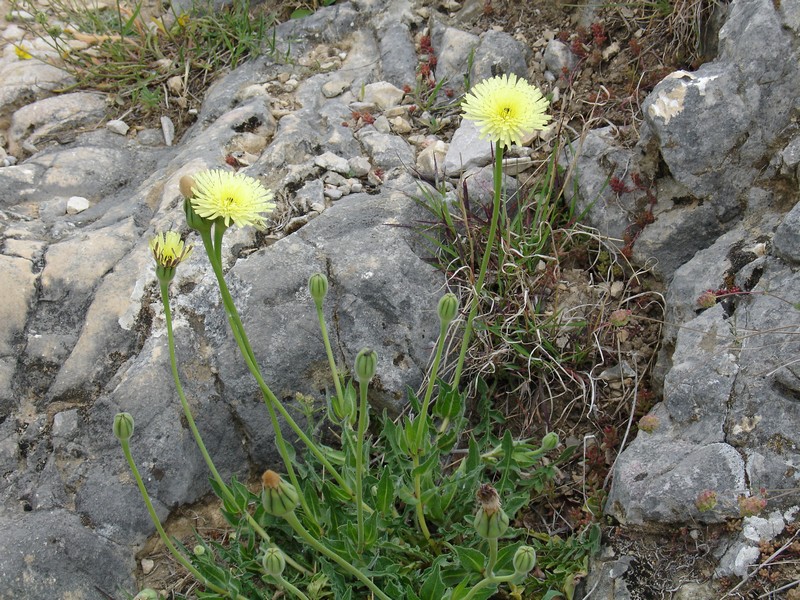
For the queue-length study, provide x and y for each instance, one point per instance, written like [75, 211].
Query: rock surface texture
[83, 332]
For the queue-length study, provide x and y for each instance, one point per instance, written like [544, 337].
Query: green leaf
[427, 466]
[505, 465]
[552, 594]
[299, 13]
[385, 497]
[433, 588]
[471, 559]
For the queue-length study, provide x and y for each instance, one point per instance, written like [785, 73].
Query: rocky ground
[344, 137]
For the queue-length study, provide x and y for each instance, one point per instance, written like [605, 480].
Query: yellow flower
[169, 250]
[21, 53]
[506, 108]
[231, 197]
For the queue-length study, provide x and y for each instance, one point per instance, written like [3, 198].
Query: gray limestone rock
[499, 54]
[467, 150]
[399, 56]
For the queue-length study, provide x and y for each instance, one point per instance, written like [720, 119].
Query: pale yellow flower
[233, 197]
[21, 53]
[506, 108]
[169, 250]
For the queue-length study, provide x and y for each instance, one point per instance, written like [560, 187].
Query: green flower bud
[278, 496]
[448, 308]
[273, 562]
[342, 408]
[318, 286]
[366, 365]
[147, 594]
[550, 441]
[199, 550]
[193, 220]
[123, 426]
[491, 521]
[524, 560]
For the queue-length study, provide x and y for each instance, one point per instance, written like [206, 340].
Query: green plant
[147, 65]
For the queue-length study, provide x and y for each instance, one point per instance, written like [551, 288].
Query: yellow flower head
[169, 249]
[506, 108]
[231, 197]
[21, 53]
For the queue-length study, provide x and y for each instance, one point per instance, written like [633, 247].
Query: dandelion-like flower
[169, 249]
[506, 108]
[230, 196]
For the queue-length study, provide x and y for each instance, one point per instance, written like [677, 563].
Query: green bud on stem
[448, 308]
[123, 426]
[550, 441]
[524, 560]
[273, 562]
[278, 497]
[318, 286]
[366, 365]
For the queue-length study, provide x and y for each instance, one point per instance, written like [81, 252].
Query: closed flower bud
[273, 562]
[186, 184]
[366, 365]
[318, 286]
[524, 560]
[550, 441]
[278, 496]
[448, 308]
[199, 550]
[193, 220]
[123, 426]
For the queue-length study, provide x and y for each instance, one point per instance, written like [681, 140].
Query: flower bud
[318, 286]
[448, 308]
[491, 521]
[550, 441]
[147, 594]
[123, 426]
[193, 220]
[185, 185]
[524, 560]
[366, 365]
[278, 496]
[273, 562]
[199, 550]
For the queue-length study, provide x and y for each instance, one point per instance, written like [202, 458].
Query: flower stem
[295, 523]
[363, 417]
[163, 534]
[492, 557]
[423, 415]
[196, 433]
[498, 179]
[488, 581]
[337, 382]
[247, 352]
[285, 584]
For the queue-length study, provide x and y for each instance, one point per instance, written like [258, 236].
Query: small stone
[384, 94]
[77, 204]
[359, 166]
[317, 207]
[356, 188]
[147, 566]
[168, 130]
[382, 125]
[400, 125]
[117, 126]
[331, 162]
[333, 193]
[334, 88]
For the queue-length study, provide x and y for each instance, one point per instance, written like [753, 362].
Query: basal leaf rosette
[506, 108]
[233, 197]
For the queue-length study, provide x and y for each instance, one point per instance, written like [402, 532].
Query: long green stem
[196, 433]
[498, 179]
[426, 401]
[329, 351]
[291, 588]
[163, 534]
[269, 398]
[247, 351]
[295, 523]
[488, 581]
[363, 418]
[419, 509]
